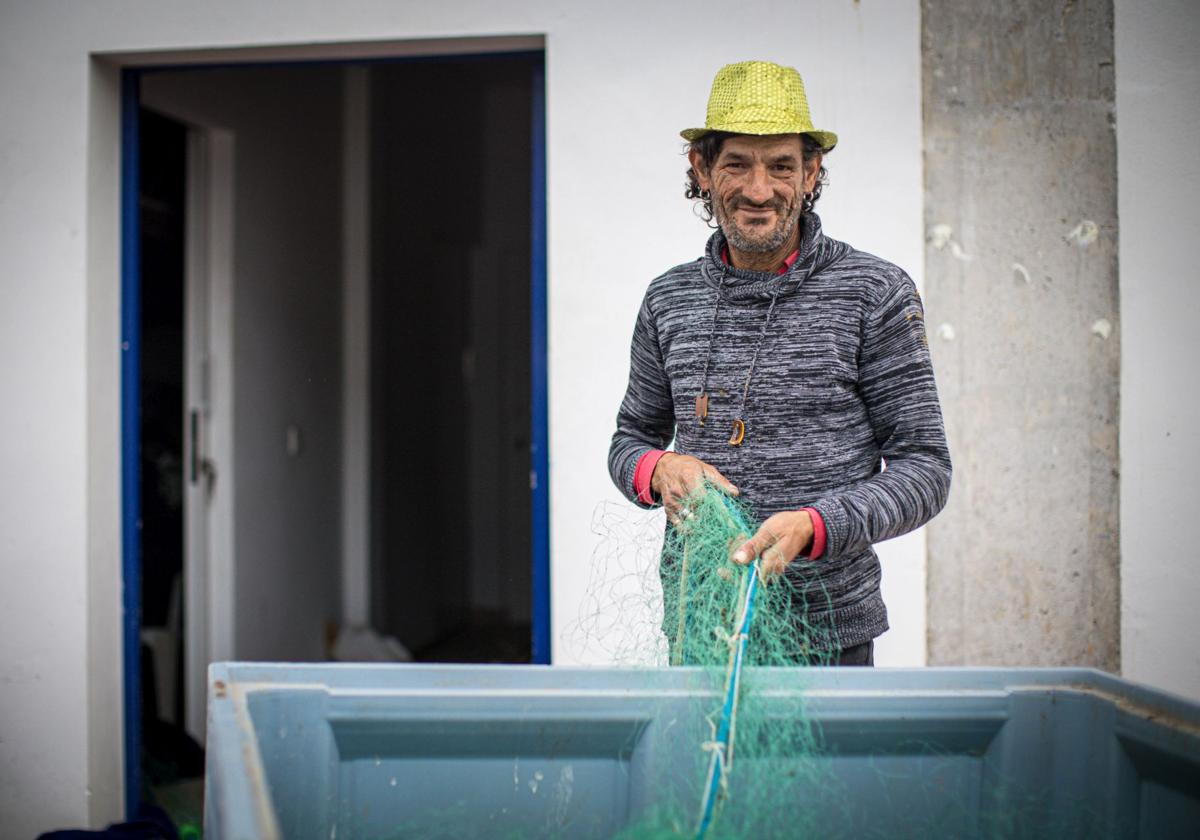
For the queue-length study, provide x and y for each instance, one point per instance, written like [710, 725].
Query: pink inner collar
[783, 269]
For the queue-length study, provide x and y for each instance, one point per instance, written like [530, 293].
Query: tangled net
[761, 767]
[752, 750]
[734, 750]
[702, 588]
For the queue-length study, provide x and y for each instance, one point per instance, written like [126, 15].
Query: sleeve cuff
[642, 474]
[817, 548]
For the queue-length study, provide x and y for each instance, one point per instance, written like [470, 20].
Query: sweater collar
[788, 261]
[816, 252]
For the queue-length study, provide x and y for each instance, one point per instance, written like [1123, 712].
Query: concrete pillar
[1021, 279]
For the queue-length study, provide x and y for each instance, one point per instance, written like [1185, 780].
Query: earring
[705, 195]
[807, 203]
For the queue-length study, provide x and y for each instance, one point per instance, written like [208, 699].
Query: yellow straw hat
[758, 97]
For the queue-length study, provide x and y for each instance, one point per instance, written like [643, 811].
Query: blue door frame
[540, 392]
[131, 502]
[131, 491]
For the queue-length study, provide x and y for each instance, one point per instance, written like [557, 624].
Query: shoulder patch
[914, 315]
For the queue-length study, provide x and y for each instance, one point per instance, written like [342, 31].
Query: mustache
[776, 204]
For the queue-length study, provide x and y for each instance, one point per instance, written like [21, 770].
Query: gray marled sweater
[843, 384]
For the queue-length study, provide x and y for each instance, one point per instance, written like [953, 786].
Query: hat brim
[825, 139]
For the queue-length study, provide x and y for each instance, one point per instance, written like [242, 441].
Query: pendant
[702, 408]
[739, 433]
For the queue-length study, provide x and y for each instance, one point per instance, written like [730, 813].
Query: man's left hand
[779, 541]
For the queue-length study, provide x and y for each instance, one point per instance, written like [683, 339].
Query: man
[791, 369]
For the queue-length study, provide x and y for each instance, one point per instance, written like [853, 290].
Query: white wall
[1158, 76]
[622, 79]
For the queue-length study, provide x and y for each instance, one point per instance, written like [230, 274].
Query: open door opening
[171, 759]
[339, 277]
[451, 338]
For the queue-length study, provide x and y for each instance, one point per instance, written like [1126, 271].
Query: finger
[682, 507]
[677, 491]
[753, 547]
[736, 542]
[695, 481]
[720, 482]
[681, 493]
[774, 561]
[686, 510]
[670, 503]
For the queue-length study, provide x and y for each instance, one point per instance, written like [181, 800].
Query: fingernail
[739, 557]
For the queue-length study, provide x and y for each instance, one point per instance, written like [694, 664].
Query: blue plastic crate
[388, 751]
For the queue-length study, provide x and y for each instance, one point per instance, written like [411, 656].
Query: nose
[758, 185]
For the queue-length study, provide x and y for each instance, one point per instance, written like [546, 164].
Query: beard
[756, 239]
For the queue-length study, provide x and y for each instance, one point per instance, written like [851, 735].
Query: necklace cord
[757, 347]
[712, 334]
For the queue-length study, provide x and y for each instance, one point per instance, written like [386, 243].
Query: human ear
[811, 167]
[702, 175]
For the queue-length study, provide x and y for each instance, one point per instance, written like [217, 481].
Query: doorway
[172, 760]
[424, 409]
[450, 358]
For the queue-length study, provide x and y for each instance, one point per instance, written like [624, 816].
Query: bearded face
[756, 228]
[757, 185]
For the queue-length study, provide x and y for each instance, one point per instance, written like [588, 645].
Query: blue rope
[721, 749]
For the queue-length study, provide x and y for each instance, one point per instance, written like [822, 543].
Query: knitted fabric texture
[843, 384]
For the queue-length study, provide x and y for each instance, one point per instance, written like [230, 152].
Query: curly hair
[709, 146]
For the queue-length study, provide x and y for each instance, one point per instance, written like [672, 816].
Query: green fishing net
[732, 742]
[783, 773]
[702, 589]
[753, 750]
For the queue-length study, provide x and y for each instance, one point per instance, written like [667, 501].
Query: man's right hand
[676, 477]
